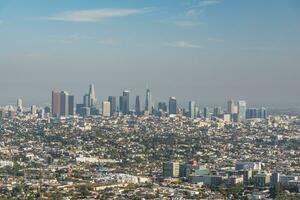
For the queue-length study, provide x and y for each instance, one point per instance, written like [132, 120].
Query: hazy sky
[204, 50]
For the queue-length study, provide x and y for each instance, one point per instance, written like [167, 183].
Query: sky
[203, 50]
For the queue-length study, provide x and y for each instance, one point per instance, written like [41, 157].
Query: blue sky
[206, 50]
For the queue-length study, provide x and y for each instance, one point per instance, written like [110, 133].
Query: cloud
[185, 44]
[210, 2]
[93, 15]
[185, 23]
[1, 22]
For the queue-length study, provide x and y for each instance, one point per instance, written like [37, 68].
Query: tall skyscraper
[192, 109]
[206, 113]
[148, 103]
[242, 107]
[55, 104]
[86, 100]
[19, 105]
[113, 105]
[137, 106]
[71, 105]
[125, 102]
[106, 108]
[217, 111]
[232, 108]
[92, 95]
[33, 110]
[172, 105]
[64, 103]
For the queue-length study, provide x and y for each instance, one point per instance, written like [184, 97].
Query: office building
[56, 104]
[232, 107]
[19, 105]
[33, 110]
[124, 102]
[192, 109]
[71, 105]
[92, 96]
[171, 169]
[64, 103]
[206, 113]
[86, 100]
[172, 105]
[242, 107]
[113, 105]
[148, 103]
[137, 106]
[162, 106]
[217, 111]
[106, 109]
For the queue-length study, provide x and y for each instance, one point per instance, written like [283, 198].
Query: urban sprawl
[81, 151]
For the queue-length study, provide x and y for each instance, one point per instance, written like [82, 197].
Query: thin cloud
[186, 23]
[93, 15]
[185, 44]
[210, 2]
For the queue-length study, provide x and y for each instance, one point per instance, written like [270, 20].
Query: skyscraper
[217, 111]
[125, 102]
[206, 113]
[192, 109]
[55, 104]
[92, 95]
[242, 107]
[172, 105]
[232, 108]
[137, 106]
[19, 105]
[162, 106]
[106, 108]
[148, 103]
[64, 103]
[113, 104]
[33, 110]
[71, 105]
[86, 100]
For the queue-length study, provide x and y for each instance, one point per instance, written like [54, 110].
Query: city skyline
[198, 49]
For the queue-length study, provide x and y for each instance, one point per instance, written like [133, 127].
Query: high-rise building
[33, 110]
[19, 105]
[217, 111]
[172, 105]
[263, 113]
[71, 105]
[113, 105]
[92, 96]
[64, 103]
[206, 113]
[242, 107]
[192, 109]
[124, 102]
[171, 169]
[232, 107]
[106, 108]
[56, 104]
[79, 108]
[137, 106]
[162, 106]
[86, 100]
[148, 103]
